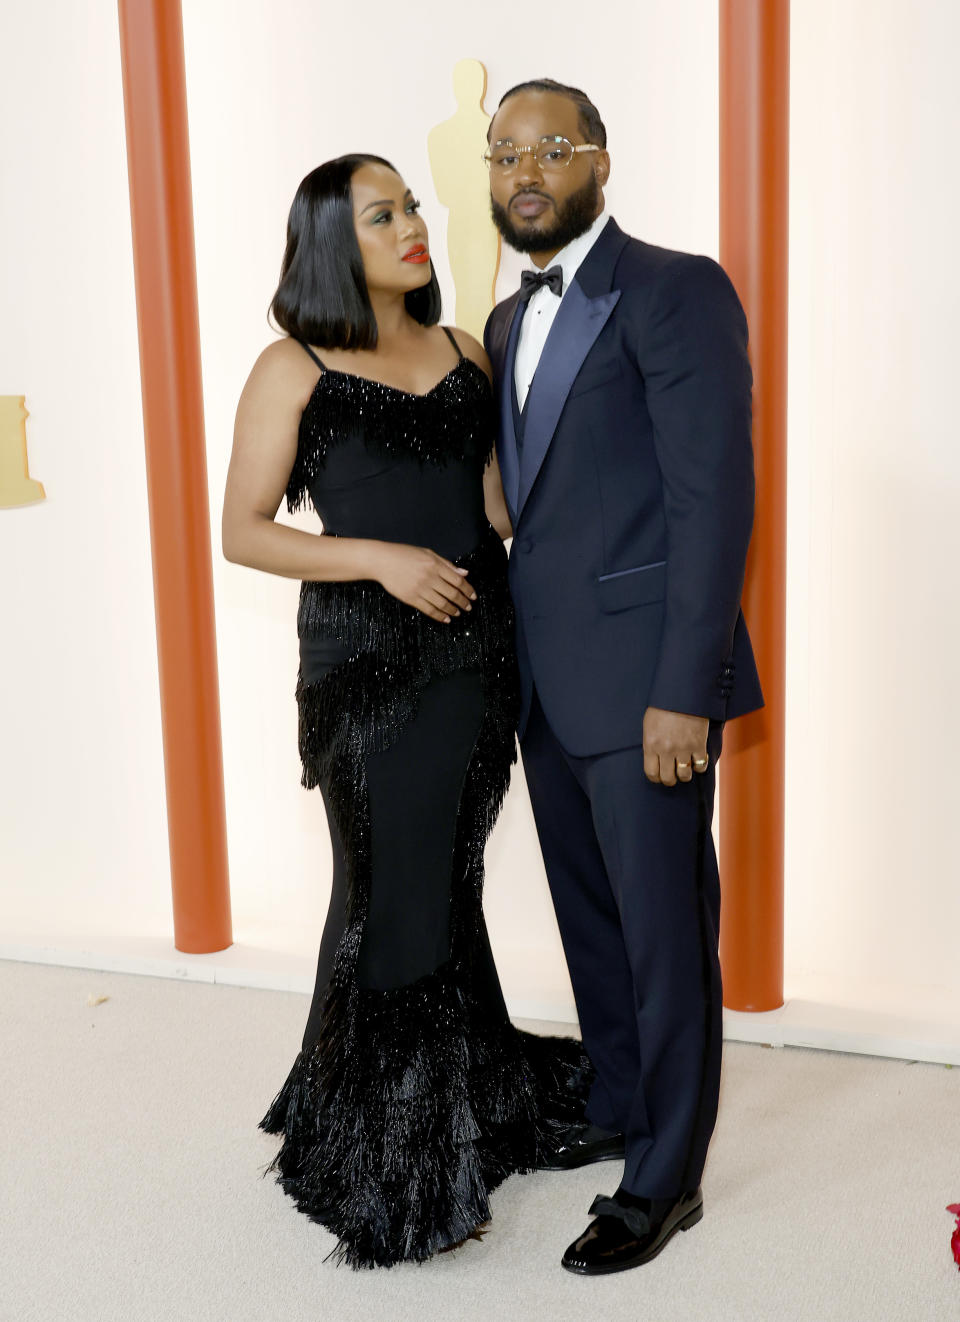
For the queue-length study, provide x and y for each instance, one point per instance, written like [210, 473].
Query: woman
[412, 1096]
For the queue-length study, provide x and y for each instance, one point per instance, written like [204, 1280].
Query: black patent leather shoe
[628, 1236]
[581, 1145]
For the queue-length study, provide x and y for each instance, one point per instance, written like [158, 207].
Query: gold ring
[683, 766]
[701, 763]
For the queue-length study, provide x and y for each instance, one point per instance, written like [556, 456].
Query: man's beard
[574, 217]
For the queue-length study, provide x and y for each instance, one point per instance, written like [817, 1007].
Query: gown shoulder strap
[303, 345]
[450, 336]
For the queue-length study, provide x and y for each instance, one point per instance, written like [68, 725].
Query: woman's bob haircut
[322, 296]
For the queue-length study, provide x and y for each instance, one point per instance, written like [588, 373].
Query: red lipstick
[417, 253]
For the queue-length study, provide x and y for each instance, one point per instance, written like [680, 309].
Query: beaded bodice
[376, 461]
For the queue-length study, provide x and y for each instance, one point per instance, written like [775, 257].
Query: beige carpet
[130, 1183]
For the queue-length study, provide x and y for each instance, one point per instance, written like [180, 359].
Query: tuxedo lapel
[579, 321]
[507, 449]
[582, 315]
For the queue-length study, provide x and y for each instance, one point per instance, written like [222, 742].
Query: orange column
[754, 155]
[154, 95]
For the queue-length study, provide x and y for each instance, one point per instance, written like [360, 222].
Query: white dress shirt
[544, 304]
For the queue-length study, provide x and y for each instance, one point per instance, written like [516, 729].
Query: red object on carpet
[954, 1210]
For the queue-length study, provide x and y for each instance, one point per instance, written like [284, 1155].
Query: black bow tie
[531, 281]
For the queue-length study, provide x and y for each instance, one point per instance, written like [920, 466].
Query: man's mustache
[527, 195]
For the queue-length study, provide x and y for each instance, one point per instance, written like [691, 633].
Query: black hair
[322, 296]
[588, 116]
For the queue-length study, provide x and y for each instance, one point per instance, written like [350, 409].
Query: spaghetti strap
[303, 345]
[450, 336]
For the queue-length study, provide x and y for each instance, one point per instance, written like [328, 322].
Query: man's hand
[674, 745]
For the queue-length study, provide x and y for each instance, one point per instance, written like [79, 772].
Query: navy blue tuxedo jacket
[629, 480]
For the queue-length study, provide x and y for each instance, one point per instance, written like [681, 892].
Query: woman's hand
[421, 578]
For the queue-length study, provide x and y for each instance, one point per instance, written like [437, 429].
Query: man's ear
[602, 167]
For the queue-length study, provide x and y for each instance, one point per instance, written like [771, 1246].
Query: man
[626, 458]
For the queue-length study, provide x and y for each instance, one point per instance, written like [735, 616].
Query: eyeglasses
[552, 153]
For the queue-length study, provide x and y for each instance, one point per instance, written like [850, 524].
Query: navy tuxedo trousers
[633, 874]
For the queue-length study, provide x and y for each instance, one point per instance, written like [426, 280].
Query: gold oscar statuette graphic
[456, 150]
[17, 487]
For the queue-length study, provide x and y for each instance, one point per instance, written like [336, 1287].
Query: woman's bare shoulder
[284, 357]
[283, 368]
[472, 349]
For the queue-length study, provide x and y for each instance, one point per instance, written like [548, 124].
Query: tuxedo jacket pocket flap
[633, 587]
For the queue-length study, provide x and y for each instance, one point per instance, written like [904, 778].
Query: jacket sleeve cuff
[687, 682]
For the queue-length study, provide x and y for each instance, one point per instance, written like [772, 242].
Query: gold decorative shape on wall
[17, 487]
[456, 150]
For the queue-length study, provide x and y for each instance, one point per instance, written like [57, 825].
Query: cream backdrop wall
[873, 906]
[83, 841]
[272, 90]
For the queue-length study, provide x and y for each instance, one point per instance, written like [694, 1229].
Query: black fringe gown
[412, 1096]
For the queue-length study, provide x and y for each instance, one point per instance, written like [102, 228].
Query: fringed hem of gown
[394, 1141]
[412, 1105]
